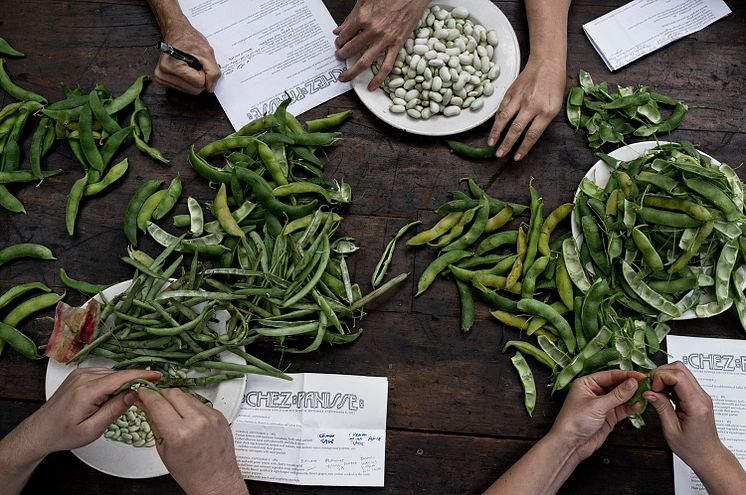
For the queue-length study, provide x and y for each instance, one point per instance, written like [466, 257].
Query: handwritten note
[720, 367]
[315, 430]
[642, 26]
[266, 49]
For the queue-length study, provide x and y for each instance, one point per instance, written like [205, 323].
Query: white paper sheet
[266, 48]
[315, 430]
[643, 26]
[720, 367]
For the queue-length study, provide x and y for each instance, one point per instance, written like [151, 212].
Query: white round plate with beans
[439, 88]
[599, 173]
[123, 460]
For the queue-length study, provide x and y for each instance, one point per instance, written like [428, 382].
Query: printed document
[720, 367]
[267, 49]
[640, 27]
[315, 430]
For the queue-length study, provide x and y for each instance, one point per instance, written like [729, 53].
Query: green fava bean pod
[115, 173]
[436, 267]
[574, 266]
[645, 293]
[538, 308]
[534, 229]
[264, 194]
[148, 207]
[31, 306]
[7, 49]
[133, 208]
[152, 152]
[16, 91]
[499, 219]
[25, 250]
[469, 151]
[550, 223]
[223, 214]
[328, 122]
[527, 381]
[18, 341]
[532, 351]
[10, 202]
[79, 285]
[169, 201]
[476, 230]
[444, 225]
[649, 254]
[19, 290]
[73, 203]
[528, 285]
[466, 305]
[126, 98]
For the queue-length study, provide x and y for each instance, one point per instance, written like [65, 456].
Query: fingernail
[517, 156]
[499, 153]
[491, 142]
[630, 384]
[129, 398]
[652, 398]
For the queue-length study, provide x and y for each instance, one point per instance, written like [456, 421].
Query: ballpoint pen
[190, 60]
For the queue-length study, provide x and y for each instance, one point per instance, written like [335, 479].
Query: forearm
[721, 474]
[541, 471]
[18, 459]
[547, 26]
[168, 14]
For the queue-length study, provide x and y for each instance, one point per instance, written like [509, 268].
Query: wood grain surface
[456, 419]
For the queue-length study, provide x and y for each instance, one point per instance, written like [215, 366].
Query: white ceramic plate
[119, 459]
[599, 173]
[507, 56]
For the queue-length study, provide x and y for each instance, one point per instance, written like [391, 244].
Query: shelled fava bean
[446, 65]
[131, 428]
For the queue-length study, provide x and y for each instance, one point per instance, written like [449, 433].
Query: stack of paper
[269, 50]
[643, 26]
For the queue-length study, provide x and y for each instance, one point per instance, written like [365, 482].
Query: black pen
[190, 60]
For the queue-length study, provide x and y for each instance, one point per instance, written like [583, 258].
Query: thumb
[664, 408]
[112, 409]
[620, 395]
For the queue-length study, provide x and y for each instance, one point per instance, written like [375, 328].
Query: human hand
[177, 74]
[690, 429]
[531, 102]
[194, 442]
[374, 27]
[595, 404]
[81, 409]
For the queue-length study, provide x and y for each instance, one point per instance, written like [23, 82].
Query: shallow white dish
[507, 56]
[125, 461]
[599, 173]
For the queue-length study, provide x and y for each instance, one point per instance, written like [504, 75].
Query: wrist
[566, 449]
[20, 449]
[229, 485]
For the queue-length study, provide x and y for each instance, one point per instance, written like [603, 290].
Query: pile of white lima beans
[446, 65]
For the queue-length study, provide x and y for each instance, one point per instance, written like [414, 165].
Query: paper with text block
[640, 27]
[315, 430]
[720, 367]
[267, 48]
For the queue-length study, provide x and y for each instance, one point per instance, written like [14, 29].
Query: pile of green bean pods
[267, 269]
[13, 119]
[91, 124]
[13, 315]
[609, 116]
[662, 237]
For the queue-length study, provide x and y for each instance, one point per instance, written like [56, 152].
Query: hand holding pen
[187, 62]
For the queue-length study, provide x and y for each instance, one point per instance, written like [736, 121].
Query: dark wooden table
[456, 419]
